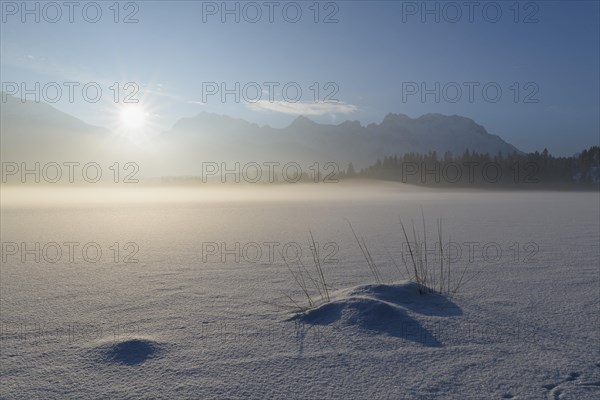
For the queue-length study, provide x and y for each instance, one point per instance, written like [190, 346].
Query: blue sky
[373, 54]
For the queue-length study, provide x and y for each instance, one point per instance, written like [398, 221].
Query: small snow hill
[390, 309]
[128, 352]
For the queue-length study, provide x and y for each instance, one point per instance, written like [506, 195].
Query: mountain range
[39, 132]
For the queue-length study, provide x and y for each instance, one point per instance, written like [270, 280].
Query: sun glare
[133, 117]
[134, 123]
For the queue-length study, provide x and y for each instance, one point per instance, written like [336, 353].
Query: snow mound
[383, 308]
[130, 352]
[406, 295]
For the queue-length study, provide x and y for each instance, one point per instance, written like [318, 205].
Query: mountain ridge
[215, 137]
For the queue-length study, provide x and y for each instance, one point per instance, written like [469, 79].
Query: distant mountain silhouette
[37, 131]
[348, 141]
[31, 114]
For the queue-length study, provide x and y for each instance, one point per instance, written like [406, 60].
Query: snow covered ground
[202, 313]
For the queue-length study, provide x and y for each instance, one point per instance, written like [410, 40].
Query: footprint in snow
[574, 386]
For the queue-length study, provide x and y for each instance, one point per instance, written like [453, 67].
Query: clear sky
[374, 55]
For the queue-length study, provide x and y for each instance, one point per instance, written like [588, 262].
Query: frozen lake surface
[200, 308]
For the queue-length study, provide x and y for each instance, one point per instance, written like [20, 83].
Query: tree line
[470, 169]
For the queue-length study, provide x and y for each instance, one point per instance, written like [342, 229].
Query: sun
[134, 123]
[133, 117]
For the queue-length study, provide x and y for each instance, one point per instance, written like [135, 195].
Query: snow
[382, 309]
[175, 326]
[129, 352]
